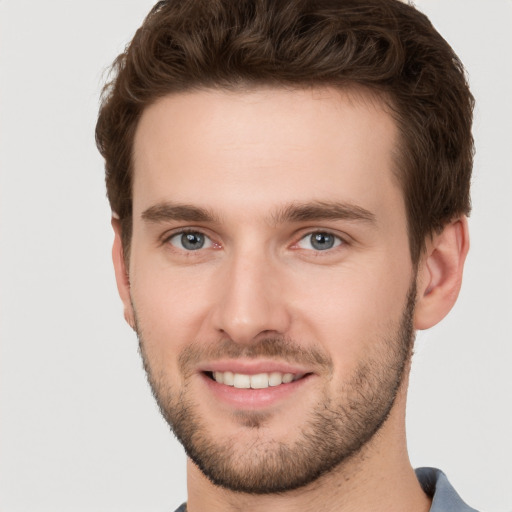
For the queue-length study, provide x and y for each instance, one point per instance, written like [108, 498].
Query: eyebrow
[163, 212]
[294, 212]
[322, 210]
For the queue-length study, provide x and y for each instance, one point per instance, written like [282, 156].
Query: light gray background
[79, 430]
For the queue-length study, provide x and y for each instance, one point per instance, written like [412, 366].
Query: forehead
[243, 150]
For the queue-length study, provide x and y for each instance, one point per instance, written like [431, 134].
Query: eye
[319, 241]
[190, 241]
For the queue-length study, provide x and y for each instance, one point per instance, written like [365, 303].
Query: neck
[379, 478]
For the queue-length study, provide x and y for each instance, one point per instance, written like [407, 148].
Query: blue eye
[190, 241]
[319, 241]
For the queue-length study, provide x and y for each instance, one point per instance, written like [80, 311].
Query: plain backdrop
[79, 430]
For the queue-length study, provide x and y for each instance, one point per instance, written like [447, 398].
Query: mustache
[281, 348]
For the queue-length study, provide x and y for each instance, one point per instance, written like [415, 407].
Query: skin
[244, 157]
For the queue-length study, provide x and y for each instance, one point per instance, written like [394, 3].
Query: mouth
[254, 381]
[245, 384]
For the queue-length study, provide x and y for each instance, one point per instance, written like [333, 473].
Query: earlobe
[122, 275]
[440, 274]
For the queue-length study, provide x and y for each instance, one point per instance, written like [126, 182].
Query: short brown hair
[386, 46]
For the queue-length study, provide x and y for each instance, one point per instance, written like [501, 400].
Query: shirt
[435, 484]
[444, 497]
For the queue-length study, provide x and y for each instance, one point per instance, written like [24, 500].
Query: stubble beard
[337, 429]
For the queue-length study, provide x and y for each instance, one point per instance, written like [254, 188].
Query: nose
[251, 300]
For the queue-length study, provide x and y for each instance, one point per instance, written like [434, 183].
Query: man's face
[270, 278]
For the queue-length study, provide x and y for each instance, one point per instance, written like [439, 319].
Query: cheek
[349, 312]
[170, 308]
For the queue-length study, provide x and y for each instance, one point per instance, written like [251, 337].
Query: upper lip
[253, 367]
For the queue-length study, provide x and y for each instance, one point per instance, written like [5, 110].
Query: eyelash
[167, 239]
[338, 241]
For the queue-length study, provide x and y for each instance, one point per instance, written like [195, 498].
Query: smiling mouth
[256, 381]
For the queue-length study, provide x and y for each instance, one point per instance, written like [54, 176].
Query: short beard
[337, 429]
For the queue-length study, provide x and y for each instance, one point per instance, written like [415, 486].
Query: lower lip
[253, 399]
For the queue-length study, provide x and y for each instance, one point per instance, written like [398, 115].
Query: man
[289, 183]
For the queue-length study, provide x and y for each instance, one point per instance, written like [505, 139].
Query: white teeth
[257, 381]
[275, 378]
[229, 378]
[242, 381]
[287, 377]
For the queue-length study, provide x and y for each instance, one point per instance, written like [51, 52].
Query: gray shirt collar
[444, 496]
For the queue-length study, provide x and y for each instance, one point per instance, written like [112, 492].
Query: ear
[440, 274]
[122, 275]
